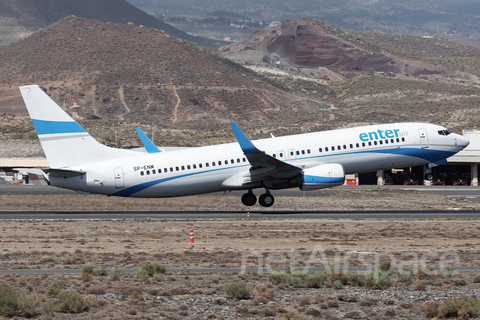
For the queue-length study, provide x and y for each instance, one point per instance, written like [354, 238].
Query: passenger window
[333, 148]
[183, 167]
[369, 143]
[386, 141]
[153, 171]
[219, 163]
[200, 165]
[291, 153]
[226, 161]
[244, 160]
[281, 155]
[326, 148]
[232, 161]
[392, 141]
[363, 144]
[213, 163]
[308, 151]
[194, 166]
[344, 147]
[141, 173]
[375, 142]
[298, 153]
[238, 160]
[381, 142]
[351, 146]
[171, 169]
[206, 164]
[148, 172]
[165, 170]
[177, 169]
[188, 167]
[403, 139]
[339, 147]
[320, 149]
[358, 145]
[398, 140]
[303, 151]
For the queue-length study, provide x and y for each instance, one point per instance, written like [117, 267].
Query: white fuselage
[204, 169]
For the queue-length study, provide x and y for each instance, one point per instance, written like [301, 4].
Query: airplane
[308, 161]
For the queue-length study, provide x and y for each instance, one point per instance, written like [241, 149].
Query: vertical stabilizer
[64, 141]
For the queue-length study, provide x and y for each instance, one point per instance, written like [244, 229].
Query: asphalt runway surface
[465, 192]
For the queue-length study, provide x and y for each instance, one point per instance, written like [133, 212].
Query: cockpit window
[444, 132]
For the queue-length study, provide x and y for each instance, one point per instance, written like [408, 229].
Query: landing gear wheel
[266, 200]
[428, 176]
[249, 199]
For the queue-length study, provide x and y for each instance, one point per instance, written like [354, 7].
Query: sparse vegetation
[71, 302]
[237, 290]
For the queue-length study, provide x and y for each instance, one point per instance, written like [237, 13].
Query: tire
[249, 199]
[428, 176]
[266, 200]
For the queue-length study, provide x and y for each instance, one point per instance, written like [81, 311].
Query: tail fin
[64, 141]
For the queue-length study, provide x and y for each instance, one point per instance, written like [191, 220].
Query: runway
[468, 193]
[278, 214]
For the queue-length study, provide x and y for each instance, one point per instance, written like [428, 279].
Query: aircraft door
[119, 182]
[423, 138]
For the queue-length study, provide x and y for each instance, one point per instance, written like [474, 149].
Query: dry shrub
[368, 301]
[388, 301]
[313, 311]
[71, 302]
[355, 314]
[406, 305]
[220, 301]
[304, 301]
[430, 309]
[237, 290]
[267, 311]
[425, 274]
[476, 279]
[342, 277]
[126, 290]
[333, 303]
[97, 290]
[258, 301]
[348, 298]
[420, 285]
[265, 292]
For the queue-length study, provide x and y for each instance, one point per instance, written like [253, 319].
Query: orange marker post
[191, 236]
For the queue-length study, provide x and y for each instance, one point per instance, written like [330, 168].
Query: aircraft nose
[461, 141]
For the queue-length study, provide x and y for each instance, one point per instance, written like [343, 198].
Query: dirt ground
[294, 243]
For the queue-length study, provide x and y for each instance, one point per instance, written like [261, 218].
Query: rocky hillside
[123, 72]
[126, 76]
[23, 16]
[310, 43]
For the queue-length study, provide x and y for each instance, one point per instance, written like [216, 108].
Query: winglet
[149, 146]
[246, 145]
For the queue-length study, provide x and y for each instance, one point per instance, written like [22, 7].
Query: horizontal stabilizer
[63, 173]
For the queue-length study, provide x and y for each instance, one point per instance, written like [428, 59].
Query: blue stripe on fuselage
[426, 154]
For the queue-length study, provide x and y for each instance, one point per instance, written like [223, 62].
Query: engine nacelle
[322, 176]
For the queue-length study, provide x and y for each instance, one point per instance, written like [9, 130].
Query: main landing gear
[265, 200]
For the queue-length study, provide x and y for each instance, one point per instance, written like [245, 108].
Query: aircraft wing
[263, 165]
